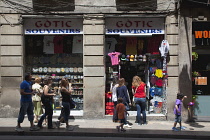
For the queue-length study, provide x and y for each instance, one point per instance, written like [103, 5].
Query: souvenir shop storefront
[201, 68]
[136, 44]
[54, 47]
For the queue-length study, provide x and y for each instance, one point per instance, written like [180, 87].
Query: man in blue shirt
[26, 104]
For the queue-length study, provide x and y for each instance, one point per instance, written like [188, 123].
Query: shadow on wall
[185, 84]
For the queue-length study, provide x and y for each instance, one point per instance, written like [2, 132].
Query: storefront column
[11, 64]
[185, 59]
[93, 62]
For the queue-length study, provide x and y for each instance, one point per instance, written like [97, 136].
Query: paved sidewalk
[107, 128]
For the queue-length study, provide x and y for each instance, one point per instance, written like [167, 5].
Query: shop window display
[139, 56]
[59, 56]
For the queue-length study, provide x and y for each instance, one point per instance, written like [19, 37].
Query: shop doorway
[137, 56]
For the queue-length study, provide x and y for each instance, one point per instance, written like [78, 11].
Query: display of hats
[80, 69]
[45, 69]
[144, 58]
[58, 70]
[123, 58]
[71, 69]
[67, 70]
[131, 57]
[49, 69]
[40, 69]
[135, 58]
[140, 58]
[62, 69]
[35, 69]
[75, 69]
[53, 69]
[127, 57]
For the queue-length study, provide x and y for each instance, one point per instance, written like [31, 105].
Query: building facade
[26, 25]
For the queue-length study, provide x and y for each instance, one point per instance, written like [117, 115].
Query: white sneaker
[127, 125]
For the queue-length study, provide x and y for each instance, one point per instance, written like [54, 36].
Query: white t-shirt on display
[48, 45]
[77, 44]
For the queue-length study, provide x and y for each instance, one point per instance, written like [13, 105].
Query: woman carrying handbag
[139, 92]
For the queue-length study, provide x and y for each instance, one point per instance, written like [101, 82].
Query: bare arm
[46, 89]
[25, 93]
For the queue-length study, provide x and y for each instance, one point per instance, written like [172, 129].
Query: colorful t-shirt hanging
[114, 57]
[131, 46]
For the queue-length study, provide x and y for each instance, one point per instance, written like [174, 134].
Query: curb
[91, 132]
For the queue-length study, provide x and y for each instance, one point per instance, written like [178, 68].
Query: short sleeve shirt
[179, 104]
[120, 110]
[26, 86]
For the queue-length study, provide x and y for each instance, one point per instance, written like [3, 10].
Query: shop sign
[202, 34]
[53, 26]
[135, 26]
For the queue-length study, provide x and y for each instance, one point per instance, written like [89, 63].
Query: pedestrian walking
[47, 100]
[121, 111]
[26, 105]
[114, 98]
[38, 110]
[122, 92]
[177, 112]
[66, 96]
[139, 92]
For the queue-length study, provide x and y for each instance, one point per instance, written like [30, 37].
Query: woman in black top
[66, 95]
[47, 100]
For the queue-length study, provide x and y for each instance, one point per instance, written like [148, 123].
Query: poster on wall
[53, 26]
[201, 81]
[135, 26]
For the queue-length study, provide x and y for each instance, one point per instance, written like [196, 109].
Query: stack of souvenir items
[109, 104]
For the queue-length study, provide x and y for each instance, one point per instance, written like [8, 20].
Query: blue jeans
[26, 108]
[141, 108]
[48, 113]
[66, 107]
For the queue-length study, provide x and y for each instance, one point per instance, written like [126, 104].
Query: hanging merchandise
[114, 57]
[110, 45]
[159, 73]
[131, 45]
[48, 44]
[77, 44]
[164, 48]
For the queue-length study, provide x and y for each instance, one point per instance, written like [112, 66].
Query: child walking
[177, 111]
[120, 108]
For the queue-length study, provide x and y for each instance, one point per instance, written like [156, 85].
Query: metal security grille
[54, 5]
[136, 5]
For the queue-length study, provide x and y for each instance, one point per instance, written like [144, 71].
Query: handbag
[72, 103]
[36, 98]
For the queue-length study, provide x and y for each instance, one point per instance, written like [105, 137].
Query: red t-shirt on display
[140, 91]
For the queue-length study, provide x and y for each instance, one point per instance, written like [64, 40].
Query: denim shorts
[26, 108]
[178, 118]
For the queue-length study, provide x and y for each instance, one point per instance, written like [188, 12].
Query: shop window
[58, 56]
[53, 5]
[201, 34]
[136, 5]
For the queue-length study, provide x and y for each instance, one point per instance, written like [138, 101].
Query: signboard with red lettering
[135, 26]
[53, 26]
